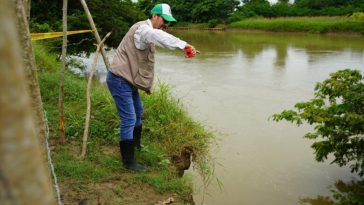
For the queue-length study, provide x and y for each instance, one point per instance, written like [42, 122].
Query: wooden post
[94, 30]
[88, 97]
[61, 77]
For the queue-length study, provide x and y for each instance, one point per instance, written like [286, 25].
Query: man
[132, 69]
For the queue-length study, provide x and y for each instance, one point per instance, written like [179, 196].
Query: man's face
[159, 22]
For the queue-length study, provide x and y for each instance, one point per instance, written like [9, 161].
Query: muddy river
[234, 86]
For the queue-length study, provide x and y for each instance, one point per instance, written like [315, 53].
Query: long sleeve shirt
[146, 35]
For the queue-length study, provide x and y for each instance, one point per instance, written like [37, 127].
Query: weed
[164, 182]
[69, 166]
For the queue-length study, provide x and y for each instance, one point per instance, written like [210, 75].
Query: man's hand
[190, 51]
[148, 92]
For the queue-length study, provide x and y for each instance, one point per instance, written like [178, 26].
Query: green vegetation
[337, 111]
[118, 16]
[168, 130]
[262, 8]
[344, 193]
[195, 11]
[304, 24]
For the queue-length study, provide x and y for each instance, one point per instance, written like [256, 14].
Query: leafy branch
[337, 113]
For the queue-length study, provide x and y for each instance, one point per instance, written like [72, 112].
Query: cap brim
[168, 18]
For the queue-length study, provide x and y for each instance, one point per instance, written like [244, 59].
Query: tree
[115, 15]
[256, 7]
[283, 1]
[206, 10]
[314, 4]
[195, 11]
[30, 69]
[337, 111]
[23, 176]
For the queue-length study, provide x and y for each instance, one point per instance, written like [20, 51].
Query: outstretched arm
[146, 35]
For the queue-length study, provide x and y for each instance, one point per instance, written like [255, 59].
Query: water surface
[237, 82]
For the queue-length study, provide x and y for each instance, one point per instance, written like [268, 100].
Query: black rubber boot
[137, 136]
[127, 154]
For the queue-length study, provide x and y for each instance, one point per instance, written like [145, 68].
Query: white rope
[56, 187]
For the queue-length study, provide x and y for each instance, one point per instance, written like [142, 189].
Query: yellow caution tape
[39, 36]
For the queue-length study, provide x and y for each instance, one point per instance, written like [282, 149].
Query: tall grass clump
[103, 118]
[168, 123]
[45, 60]
[303, 24]
[172, 129]
[358, 16]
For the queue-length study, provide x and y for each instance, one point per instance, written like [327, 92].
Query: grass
[44, 60]
[169, 124]
[303, 24]
[85, 171]
[164, 182]
[198, 25]
[168, 129]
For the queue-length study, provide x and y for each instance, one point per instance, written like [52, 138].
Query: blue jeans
[128, 104]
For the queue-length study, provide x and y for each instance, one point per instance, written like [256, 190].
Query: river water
[237, 82]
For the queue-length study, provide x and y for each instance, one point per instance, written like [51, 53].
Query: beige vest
[134, 65]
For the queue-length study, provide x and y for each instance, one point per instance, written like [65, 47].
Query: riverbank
[303, 24]
[341, 25]
[170, 138]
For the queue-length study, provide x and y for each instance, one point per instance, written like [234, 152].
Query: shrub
[337, 111]
[359, 16]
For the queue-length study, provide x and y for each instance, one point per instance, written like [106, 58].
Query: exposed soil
[115, 189]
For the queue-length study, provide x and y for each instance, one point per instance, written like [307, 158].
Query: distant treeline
[253, 8]
[233, 10]
[118, 15]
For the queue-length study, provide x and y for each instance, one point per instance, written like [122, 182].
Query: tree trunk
[97, 36]
[27, 7]
[30, 69]
[88, 97]
[23, 175]
[61, 79]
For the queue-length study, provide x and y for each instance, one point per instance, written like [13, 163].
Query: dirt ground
[116, 189]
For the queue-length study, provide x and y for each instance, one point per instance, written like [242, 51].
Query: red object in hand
[189, 53]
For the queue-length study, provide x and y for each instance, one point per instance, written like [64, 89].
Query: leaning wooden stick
[94, 30]
[88, 97]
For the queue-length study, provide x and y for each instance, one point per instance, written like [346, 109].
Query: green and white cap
[164, 10]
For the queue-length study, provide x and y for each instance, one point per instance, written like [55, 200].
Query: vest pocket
[144, 79]
[151, 54]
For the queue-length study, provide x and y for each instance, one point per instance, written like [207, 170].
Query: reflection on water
[343, 193]
[234, 85]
